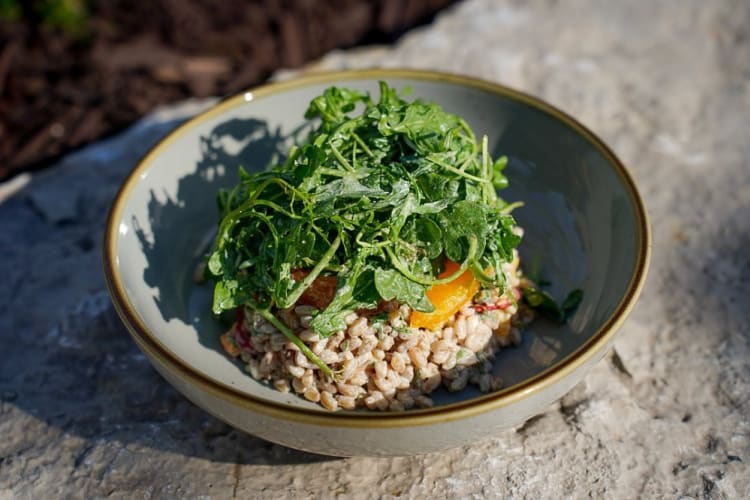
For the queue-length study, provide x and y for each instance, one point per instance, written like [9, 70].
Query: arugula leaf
[391, 284]
[498, 179]
[546, 304]
[429, 235]
[543, 302]
[571, 302]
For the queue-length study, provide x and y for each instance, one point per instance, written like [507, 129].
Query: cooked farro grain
[391, 367]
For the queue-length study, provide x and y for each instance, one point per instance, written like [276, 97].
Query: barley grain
[346, 402]
[312, 394]
[328, 401]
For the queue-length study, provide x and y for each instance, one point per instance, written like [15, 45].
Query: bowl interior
[580, 218]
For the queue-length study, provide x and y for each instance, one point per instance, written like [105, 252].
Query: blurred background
[73, 71]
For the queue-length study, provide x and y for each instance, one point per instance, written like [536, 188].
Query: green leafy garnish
[378, 198]
[546, 304]
[391, 284]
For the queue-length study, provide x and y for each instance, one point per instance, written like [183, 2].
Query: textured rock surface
[82, 414]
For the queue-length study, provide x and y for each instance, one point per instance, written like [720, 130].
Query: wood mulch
[59, 91]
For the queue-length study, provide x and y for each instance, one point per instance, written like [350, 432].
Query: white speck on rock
[668, 145]
[93, 305]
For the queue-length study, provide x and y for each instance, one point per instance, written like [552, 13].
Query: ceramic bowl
[585, 227]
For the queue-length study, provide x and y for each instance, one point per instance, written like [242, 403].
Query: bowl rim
[168, 360]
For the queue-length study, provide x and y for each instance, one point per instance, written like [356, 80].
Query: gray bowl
[585, 226]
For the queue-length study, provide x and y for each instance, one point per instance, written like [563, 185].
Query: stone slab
[666, 84]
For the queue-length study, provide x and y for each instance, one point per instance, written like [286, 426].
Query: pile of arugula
[378, 198]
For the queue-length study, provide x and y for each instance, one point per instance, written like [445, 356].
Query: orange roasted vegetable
[447, 298]
[321, 291]
[228, 344]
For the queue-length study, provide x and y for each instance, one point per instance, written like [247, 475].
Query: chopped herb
[402, 329]
[460, 354]
[571, 302]
[546, 304]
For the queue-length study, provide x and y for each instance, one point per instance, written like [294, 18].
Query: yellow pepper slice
[447, 298]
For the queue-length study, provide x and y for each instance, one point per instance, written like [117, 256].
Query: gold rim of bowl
[454, 411]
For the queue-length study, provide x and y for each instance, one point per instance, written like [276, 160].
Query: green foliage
[10, 10]
[546, 304]
[378, 198]
[68, 15]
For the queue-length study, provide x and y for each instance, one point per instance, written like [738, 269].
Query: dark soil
[61, 89]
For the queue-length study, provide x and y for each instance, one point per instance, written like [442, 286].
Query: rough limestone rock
[666, 84]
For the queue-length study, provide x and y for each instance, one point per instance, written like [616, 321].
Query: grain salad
[375, 262]
[381, 363]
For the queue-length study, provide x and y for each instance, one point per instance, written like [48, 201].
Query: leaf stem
[341, 158]
[510, 207]
[399, 264]
[303, 285]
[456, 171]
[490, 195]
[363, 145]
[268, 316]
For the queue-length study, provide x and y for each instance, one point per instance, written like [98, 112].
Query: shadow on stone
[168, 246]
[80, 372]
[97, 384]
